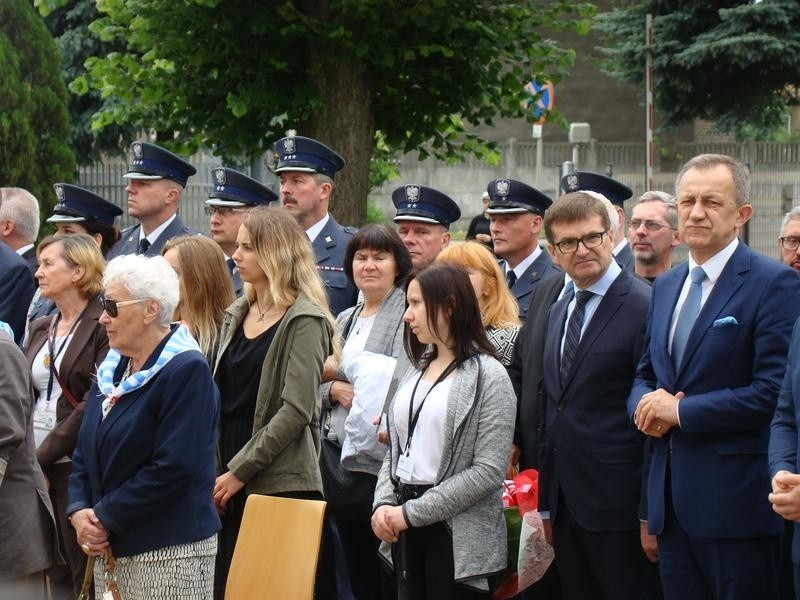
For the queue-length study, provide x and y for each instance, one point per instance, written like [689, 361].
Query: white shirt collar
[23, 249]
[157, 231]
[600, 287]
[313, 231]
[619, 247]
[520, 269]
[714, 265]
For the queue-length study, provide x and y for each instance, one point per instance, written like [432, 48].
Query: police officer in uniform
[617, 193]
[515, 214]
[306, 169]
[423, 216]
[156, 179]
[232, 195]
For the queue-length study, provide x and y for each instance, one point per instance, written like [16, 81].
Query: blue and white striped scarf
[180, 341]
[7, 328]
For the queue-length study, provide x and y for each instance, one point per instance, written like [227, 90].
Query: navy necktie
[569, 290]
[511, 279]
[572, 337]
[688, 315]
[231, 265]
[144, 245]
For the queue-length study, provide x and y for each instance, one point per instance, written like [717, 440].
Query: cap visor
[135, 175]
[65, 219]
[515, 210]
[299, 169]
[417, 219]
[221, 202]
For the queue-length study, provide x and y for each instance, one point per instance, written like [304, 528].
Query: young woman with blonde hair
[205, 287]
[273, 345]
[499, 309]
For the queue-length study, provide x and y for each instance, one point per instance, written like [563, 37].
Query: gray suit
[27, 526]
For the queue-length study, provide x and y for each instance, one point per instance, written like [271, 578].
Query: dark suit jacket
[592, 454]
[731, 375]
[148, 469]
[525, 285]
[16, 290]
[329, 248]
[784, 440]
[29, 256]
[129, 241]
[88, 348]
[625, 258]
[525, 370]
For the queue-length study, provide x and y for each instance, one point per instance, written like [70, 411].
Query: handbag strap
[88, 575]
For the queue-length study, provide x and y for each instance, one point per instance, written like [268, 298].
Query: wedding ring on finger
[659, 428]
[86, 548]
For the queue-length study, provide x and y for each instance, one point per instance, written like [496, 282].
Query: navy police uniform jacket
[329, 248]
[148, 469]
[129, 241]
[525, 285]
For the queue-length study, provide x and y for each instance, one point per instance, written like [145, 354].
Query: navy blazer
[525, 370]
[16, 290]
[784, 439]
[329, 248]
[525, 285]
[731, 374]
[129, 241]
[148, 469]
[591, 451]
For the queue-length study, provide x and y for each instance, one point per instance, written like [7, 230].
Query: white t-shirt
[427, 442]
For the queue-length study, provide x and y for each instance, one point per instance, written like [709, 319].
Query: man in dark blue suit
[515, 216]
[156, 179]
[591, 464]
[232, 195]
[306, 169]
[16, 290]
[706, 391]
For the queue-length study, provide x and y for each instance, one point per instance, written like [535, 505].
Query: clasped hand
[785, 496]
[388, 522]
[657, 412]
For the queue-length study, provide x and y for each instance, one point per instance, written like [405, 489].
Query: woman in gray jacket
[438, 503]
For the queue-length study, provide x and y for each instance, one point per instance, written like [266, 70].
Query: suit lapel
[552, 346]
[609, 305]
[79, 341]
[324, 242]
[729, 281]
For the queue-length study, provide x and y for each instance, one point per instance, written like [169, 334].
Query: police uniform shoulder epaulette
[349, 229]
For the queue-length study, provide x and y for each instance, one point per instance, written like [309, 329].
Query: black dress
[238, 378]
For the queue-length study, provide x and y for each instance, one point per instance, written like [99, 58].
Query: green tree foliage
[34, 125]
[730, 61]
[69, 25]
[234, 75]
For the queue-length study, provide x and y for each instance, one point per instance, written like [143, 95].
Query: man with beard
[653, 234]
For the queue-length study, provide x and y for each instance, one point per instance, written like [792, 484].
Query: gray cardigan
[468, 492]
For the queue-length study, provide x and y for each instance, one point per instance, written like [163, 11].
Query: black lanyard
[414, 417]
[51, 343]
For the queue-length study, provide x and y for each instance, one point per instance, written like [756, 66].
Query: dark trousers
[597, 565]
[65, 579]
[547, 588]
[368, 578]
[715, 569]
[423, 565]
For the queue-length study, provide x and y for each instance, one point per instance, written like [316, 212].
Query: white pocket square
[725, 322]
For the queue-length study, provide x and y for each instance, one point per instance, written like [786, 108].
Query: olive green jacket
[283, 452]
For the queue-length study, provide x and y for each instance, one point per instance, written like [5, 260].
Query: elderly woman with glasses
[143, 469]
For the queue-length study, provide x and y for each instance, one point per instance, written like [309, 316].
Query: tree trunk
[344, 122]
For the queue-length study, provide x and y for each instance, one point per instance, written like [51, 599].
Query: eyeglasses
[651, 226]
[591, 240]
[223, 211]
[112, 306]
[789, 242]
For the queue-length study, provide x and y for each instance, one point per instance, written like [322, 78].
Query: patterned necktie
[688, 315]
[144, 245]
[572, 337]
[511, 279]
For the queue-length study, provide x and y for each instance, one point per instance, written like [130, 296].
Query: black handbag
[349, 494]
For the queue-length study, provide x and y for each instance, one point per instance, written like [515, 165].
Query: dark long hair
[446, 289]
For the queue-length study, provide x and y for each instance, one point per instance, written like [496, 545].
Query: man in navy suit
[156, 179]
[591, 463]
[306, 169]
[515, 216]
[16, 290]
[706, 390]
[232, 195]
[19, 224]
